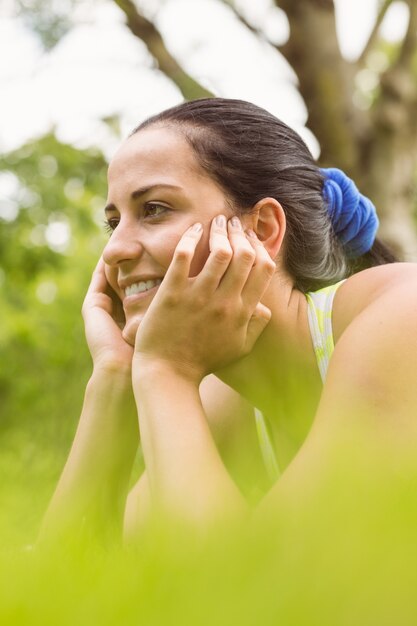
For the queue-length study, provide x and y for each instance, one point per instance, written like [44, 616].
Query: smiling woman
[238, 312]
[156, 192]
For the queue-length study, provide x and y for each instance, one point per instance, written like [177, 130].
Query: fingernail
[236, 223]
[221, 221]
[196, 227]
[251, 233]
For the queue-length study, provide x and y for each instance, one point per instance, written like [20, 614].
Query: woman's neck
[280, 376]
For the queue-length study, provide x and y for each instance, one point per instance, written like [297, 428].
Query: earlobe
[269, 224]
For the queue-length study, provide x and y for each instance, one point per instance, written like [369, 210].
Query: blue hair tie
[353, 215]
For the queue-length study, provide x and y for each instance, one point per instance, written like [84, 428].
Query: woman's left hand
[200, 324]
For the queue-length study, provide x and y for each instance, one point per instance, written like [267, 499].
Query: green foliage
[49, 245]
[49, 19]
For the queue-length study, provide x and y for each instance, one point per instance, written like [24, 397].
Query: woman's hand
[198, 325]
[104, 318]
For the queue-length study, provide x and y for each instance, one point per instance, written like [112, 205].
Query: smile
[142, 286]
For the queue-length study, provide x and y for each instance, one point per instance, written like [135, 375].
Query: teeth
[141, 286]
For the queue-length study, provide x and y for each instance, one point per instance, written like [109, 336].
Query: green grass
[344, 553]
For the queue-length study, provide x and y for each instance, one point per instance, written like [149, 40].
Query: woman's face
[156, 190]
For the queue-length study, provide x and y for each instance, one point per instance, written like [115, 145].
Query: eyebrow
[138, 193]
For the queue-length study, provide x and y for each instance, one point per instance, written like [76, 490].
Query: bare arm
[368, 406]
[231, 421]
[187, 477]
[90, 497]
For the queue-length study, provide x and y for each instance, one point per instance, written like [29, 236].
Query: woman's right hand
[104, 320]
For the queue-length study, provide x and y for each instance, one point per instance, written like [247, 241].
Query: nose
[124, 244]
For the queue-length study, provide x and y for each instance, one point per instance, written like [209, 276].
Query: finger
[102, 295]
[179, 269]
[243, 259]
[257, 324]
[98, 281]
[118, 313]
[261, 274]
[219, 258]
[96, 293]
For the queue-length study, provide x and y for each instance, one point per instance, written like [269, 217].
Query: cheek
[200, 256]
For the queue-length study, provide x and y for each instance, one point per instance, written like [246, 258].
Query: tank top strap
[266, 446]
[320, 304]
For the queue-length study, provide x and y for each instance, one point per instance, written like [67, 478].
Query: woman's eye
[152, 209]
[110, 225]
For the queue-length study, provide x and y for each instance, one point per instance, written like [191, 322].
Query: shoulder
[373, 370]
[370, 289]
[370, 393]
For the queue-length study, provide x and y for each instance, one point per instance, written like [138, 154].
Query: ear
[269, 223]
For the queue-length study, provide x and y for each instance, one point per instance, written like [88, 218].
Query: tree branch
[151, 37]
[372, 37]
[242, 19]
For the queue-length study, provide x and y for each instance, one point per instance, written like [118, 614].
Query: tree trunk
[377, 148]
[388, 163]
[388, 156]
[325, 80]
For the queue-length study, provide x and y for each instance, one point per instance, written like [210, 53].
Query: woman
[218, 299]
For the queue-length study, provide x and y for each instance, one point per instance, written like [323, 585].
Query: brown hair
[252, 155]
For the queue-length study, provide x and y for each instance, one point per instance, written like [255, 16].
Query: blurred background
[76, 76]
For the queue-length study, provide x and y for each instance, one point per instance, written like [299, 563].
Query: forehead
[153, 153]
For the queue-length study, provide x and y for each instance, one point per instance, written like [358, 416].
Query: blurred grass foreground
[344, 555]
